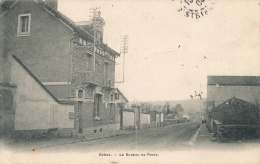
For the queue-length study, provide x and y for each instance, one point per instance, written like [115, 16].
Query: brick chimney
[52, 3]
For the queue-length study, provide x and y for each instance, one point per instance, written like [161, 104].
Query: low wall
[42, 134]
[102, 128]
[145, 121]
[170, 121]
[128, 120]
[227, 133]
[145, 118]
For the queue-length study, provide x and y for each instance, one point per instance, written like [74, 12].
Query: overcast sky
[171, 55]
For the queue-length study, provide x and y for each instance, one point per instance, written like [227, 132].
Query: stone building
[60, 57]
[222, 88]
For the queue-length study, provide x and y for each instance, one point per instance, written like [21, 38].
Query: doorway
[7, 113]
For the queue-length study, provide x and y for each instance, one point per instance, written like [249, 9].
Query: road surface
[170, 144]
[154, 139]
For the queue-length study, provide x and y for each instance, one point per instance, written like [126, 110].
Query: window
[99, 37]
[106, 95]
[84, 42]
[24, 23]
[106, 73]
[89, 62]
[116, 96]
[97, 105]
[80, 40]
[80, 93]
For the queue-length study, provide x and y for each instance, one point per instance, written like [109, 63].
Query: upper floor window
[99, 37]
[116, 96]
[24, 23]
[80, 40]
[84, 42]
[89, 63]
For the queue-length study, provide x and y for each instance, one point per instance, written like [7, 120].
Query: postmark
[195, 9]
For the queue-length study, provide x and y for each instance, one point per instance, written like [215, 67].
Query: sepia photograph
[129, 81]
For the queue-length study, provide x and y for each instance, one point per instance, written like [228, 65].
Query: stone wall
[129, 120]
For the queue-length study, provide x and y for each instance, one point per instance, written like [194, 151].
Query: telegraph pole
[94, 12]
[124, 50]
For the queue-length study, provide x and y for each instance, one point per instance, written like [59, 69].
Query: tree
[178, 110]
[157, 108]
[166, 108]
[146, 107]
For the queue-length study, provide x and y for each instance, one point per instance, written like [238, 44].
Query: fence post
[121, 107]
[138, 114]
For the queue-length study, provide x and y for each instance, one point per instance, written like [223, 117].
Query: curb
[108, 136]
[194, 137]
[75, 141]
[82, 140]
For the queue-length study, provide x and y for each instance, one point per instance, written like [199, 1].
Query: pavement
[170, 143]
[166, 139]
[206, 141]
[201, 139]
[204, 136]
[32, 145]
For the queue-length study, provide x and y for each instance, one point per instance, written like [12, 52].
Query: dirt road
[165, 138]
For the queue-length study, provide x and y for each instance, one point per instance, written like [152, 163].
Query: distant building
[236, 112]
[56, 70]
[222, 88]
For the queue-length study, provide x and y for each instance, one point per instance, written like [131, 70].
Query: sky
[169, 55]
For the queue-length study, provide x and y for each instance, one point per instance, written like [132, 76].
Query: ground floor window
[97, 105]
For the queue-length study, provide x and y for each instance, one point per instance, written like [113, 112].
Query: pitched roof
[122, 95]
[5, 4]
[61, 92]
[77, 28]
[236, 103]
[234, 80]
[38, 81]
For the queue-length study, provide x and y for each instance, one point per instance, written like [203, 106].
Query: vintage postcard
[129, 81]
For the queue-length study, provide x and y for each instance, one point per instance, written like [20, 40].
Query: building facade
[222, 88]
[69, 60]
